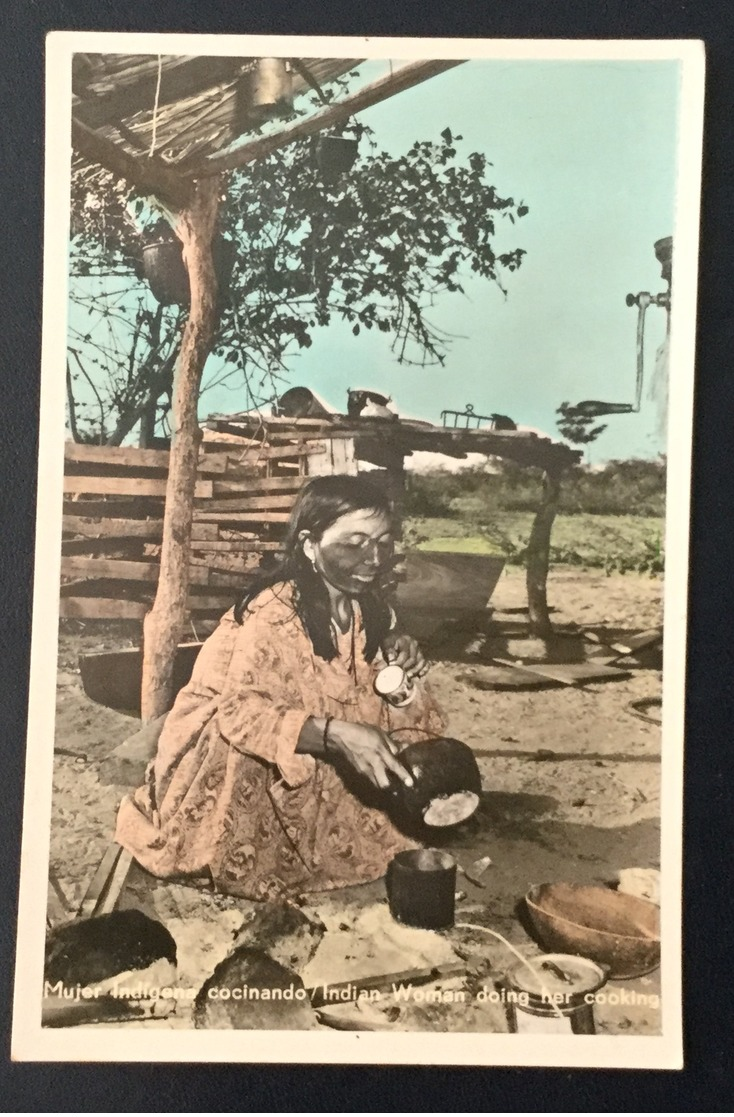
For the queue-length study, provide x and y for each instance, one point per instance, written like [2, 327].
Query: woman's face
[352, 551]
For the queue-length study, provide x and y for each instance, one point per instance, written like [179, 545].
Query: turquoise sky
[590, 147]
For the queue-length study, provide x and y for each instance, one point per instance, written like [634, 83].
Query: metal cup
[394, 686]
[421, 887]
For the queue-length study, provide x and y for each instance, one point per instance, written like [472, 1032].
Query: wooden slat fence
[113, 522]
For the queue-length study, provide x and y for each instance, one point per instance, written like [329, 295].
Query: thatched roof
[179, 106]
[161, 122]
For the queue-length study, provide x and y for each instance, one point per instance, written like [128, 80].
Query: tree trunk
[163, 626]
[538, 557]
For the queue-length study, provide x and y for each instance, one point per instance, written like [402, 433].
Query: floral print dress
[228, 797]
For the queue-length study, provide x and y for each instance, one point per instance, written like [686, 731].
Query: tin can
[394, 686]
[553, 993]
[421, 887]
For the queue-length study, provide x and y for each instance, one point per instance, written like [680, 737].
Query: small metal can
[553, 993]
[394, 686]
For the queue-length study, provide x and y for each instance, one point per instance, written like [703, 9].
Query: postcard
[358, 665]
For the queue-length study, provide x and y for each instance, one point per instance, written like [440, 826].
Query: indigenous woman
[277, 759]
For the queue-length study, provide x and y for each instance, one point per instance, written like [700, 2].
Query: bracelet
[327, 722]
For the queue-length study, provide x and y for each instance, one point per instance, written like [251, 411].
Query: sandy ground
[571, 781]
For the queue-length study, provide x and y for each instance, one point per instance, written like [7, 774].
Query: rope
[537, 974]
[155, 107]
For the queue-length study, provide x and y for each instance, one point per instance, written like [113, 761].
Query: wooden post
[163, 625]
[538, 555]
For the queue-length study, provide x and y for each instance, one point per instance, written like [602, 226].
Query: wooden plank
[128, 486]
[300, 449]
[251, 504]
[131, 457]
[116, 884]
[338, 457]
[124, 570]
[570, 674]
[102, 608]
[241, 517]
[231, 545]
[126, 457]
[255, 485]
[113, 530]
[94, 527]
[57, 906]
[212, 601]
[266, 421]
[100, 879]
[108, 608]
[202, 532]
[229, 579]
[77, 566]
[213, 436]
[507, 678]
[221, 575]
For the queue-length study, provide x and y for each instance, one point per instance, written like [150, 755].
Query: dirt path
[571, 782]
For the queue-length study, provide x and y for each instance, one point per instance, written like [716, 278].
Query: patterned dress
[227, 796]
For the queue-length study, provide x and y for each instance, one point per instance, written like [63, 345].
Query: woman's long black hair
[320, 503]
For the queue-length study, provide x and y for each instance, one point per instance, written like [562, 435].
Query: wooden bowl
[616, 930]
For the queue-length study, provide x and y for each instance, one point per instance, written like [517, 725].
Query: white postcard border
[111, 1043]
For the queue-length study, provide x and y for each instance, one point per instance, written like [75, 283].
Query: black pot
[335, 155]
[447, 783]
[165, 271]
[421, 886]
[299, 403]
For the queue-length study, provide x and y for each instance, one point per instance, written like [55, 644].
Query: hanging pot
[264, 93]
[335, 155]
[165, 271]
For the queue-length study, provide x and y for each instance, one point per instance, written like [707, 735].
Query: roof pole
[164, 624]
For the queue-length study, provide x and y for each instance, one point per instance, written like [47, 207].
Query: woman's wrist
[312, 738]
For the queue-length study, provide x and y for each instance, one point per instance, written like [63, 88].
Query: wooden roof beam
[405, 78]
[149, 175]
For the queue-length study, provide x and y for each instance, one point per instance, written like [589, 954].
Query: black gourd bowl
[447, 783]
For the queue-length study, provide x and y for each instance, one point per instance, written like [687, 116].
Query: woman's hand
[404, 652]
[368, 751]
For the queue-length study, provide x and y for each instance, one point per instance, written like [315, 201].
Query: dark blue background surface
[706, 1082]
